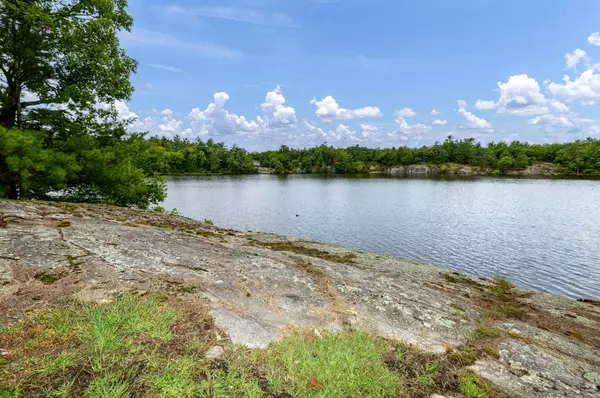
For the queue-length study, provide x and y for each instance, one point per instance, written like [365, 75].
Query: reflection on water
[544, 234]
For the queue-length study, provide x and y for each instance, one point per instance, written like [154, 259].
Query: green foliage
[208, 222]
[582, 157]
[348, 364]
[78, 168]
[108, 387]
[229, 384]
[181, 156]
[62, 52]
[29, 168]
[473, 387]
[68, 141]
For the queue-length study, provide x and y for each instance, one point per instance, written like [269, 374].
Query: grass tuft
[294, 248]
[344, 364]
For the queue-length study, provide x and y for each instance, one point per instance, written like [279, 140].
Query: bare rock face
[257, 285]
[414, 171]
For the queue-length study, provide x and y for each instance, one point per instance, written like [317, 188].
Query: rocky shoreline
[539, 170]
[257, 285]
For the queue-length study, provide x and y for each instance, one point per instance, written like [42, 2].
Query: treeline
[181, 156]
[579, 157]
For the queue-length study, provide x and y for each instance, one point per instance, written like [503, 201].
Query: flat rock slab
[52, 251]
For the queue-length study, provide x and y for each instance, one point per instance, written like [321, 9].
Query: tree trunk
[10, 106]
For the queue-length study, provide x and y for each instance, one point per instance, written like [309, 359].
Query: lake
[542, 233]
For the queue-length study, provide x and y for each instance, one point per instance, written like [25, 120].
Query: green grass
[55, 349]
[346, 364]
[228, 384]
[154, 347]
[473, 387]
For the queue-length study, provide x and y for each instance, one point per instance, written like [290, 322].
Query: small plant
[473, 387]
[159, 209]
[427, 377]
[175, 212]
[208, 222]
[486, 332]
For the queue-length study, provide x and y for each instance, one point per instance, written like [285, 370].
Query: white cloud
[485, 105]
[139, 37]
[585, 88]
[473, 122]
[594, 39]
[166, 111]
[462, 104]
[220, 121]
[410, 131]
[123, 111]
[312, 128]
[328, 110]
[552, 120]
[440, 122]
[148, 85]
[345, 132]
[434, 112]
[369, 130]
[237, 14]
[166, 67]
[278, 114]
[574, 58]
[406, 112]
[521, 96]
[170, 126]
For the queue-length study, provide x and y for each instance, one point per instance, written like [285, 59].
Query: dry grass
[321, 279]
[499, 300]
[294, 248]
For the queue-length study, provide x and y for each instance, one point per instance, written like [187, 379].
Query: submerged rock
[258, 285]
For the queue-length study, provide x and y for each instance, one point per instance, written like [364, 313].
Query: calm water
[544, 234]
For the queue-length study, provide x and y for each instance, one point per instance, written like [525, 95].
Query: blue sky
[261, 73]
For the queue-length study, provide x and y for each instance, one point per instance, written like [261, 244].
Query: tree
[505, 163]
[62, 71]
[62, 52]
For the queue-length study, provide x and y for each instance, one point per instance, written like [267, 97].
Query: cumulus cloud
[552, 121]
[574, 58]
[220, 121]
[594, 39]
[485, 105]
[406, 112]
[123, 112]
[521, 96]
[434, 112]
[328, 110]
[439, 122]
[278, 115]
[585, 88]
[473, 122]
[369, 129]
[166, 111]
[408, 131]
